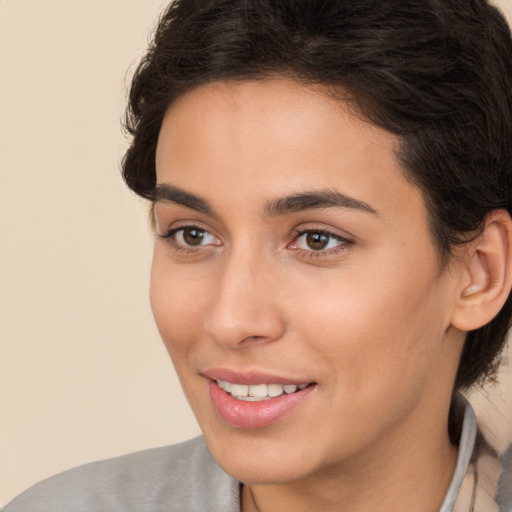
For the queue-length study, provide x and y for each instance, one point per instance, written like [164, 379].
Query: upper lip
[250, 377]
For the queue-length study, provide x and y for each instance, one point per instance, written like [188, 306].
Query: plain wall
[83, 373]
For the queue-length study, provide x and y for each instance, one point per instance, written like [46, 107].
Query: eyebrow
[301, 201]
[315, 199]
[170, 194]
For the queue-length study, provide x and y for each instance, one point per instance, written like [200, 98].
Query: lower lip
[240, 413]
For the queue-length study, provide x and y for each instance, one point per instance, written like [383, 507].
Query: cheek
[376, 331]
[176, 302]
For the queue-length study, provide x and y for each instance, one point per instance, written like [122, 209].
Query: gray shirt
[186, 478]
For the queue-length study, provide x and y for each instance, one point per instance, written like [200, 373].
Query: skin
[369, 319]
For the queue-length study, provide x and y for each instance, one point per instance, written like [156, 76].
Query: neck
[404, 471]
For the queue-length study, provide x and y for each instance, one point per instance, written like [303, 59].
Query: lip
[250, 377]
[253, 415]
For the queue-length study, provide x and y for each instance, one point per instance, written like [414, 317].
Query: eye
[190, 237]
[194, 236]
[319, 241]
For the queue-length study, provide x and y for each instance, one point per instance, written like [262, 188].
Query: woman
[330, 189]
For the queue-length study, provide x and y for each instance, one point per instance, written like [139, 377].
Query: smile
[256, 405]
[258, 392]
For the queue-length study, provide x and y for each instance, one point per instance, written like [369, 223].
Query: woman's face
[291, 250]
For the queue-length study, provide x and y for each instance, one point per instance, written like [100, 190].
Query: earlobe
[486, 277]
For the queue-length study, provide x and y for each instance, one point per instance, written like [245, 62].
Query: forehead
[274, 137]
[275, 107]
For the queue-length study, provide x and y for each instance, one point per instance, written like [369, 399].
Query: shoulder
[178, 477]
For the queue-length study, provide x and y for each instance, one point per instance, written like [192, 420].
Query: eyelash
[170, 237]
[343, 245]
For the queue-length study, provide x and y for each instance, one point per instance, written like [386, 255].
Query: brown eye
[193, 236]
[317, 241]
[320, 242]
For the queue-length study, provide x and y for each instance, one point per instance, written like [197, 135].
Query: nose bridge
[245, 307]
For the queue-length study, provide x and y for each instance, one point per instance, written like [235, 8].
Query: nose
[245, 309]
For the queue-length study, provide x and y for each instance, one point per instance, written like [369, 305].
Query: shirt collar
[466, 448]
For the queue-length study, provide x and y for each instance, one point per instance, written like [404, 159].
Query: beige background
[83, 374]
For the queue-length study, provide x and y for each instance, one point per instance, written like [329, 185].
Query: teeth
[274, 390]
[239, 389]
[225, 385]
[257, 392]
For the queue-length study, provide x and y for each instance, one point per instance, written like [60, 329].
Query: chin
[258, 472]
[260, 459]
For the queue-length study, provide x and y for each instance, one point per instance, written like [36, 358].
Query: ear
[486, 274]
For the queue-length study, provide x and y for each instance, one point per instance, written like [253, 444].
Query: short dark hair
[437, 73]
